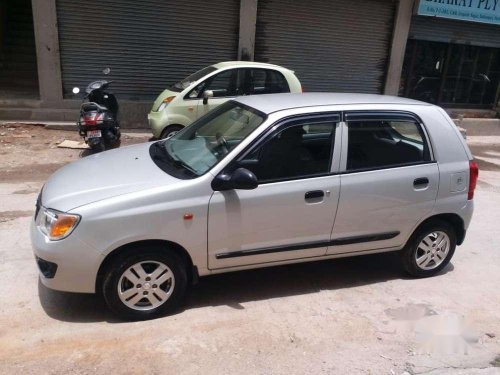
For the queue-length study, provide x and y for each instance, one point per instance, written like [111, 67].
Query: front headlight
[56, 225]
[165, 103]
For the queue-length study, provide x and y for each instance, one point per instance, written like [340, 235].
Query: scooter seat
[92, 106]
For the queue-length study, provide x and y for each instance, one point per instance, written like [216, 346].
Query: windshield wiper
[177, 161]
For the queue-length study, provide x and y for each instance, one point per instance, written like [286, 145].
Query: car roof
[269, 103]
[251, 64]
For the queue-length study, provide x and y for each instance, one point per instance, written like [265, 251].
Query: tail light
[92, 118]
[301, 88]
[473, 175]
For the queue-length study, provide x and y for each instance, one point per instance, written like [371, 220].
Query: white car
[184, 102]
[260, 181]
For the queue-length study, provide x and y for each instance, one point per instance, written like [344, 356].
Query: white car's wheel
[145, 285]
[430, 249]
[170, 131]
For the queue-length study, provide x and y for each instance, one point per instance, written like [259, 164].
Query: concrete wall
[398, 46]
[248, 20]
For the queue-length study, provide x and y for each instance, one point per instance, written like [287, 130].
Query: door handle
[420, 182]
[314, 194]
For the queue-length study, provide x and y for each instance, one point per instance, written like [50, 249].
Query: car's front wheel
[430, 249]
[145, 285]
[170, 131]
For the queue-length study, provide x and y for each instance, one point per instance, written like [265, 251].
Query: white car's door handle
[314, 194]
[420, 182]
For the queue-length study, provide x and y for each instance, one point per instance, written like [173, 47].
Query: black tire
[169, 130]
[408, 257]
[98, 147]
[123, 263]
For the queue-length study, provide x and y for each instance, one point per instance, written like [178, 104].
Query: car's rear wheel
[170, 131]
[145, 285]
[430, 249]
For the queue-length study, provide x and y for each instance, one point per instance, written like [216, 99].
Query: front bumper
[157, 122]
[68, 265]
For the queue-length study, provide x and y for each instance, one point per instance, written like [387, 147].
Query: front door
[390, 182]
[291, 213]
[224, 86]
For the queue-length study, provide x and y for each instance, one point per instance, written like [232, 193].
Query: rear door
[291, 213]
[389, 181]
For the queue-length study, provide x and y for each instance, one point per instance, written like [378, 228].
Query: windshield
[186, 82]
[197, 148]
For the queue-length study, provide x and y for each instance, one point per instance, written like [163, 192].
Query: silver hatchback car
[259, 181]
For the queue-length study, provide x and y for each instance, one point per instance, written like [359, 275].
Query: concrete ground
[350, 316]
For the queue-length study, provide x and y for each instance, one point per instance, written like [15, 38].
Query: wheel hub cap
[146, 285]
[432, 250]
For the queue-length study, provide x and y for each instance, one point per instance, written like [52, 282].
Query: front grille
[38, 204]
[48, 269]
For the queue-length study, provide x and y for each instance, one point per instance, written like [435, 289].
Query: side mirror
[207, 94]
[241, 178]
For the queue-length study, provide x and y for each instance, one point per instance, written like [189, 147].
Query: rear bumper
[466, 215]
[461, 238]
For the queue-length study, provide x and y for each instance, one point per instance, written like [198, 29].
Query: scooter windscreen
[96, 85]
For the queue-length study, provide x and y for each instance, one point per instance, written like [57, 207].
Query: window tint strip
[368, 116]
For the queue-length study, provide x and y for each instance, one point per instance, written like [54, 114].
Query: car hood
[165, 94]
[104, 175]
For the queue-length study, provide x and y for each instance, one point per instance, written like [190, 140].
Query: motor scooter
[98, 121]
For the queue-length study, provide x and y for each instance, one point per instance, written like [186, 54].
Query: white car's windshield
[186, 82]
[203, 144]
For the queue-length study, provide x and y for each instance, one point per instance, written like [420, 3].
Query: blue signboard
[485, 11]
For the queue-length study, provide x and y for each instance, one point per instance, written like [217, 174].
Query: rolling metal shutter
[337, 45]
[148, 44]
[18, 68]
[453, 31]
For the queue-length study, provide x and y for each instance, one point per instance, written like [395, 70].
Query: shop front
[453, 54]
[341, 45]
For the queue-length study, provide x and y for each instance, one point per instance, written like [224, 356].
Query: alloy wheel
[432, 250]
[146, 285]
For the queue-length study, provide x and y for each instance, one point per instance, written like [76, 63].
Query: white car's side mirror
[207, 94]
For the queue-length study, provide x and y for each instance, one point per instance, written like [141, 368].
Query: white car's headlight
[56, 225]
[164, 103]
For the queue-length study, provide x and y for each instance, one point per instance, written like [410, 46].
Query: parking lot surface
[358, 315]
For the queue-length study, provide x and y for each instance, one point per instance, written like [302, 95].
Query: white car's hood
[104, 175]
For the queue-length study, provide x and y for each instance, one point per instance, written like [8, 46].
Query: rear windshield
[186, 82]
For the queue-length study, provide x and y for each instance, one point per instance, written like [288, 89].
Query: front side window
[197, 148]
[296, 151]
[385, 143]
[228, 83]
[186, 82]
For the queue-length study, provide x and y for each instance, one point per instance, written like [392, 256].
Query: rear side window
[265, 81]
[377, 144]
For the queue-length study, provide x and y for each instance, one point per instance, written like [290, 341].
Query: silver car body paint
[123, 197]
